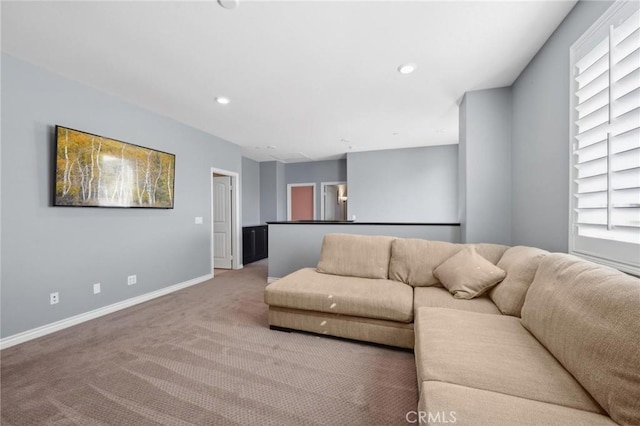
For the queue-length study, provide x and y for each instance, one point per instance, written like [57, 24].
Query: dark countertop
[351, 222]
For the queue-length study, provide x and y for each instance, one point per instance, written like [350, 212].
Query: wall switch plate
[54, 298]
[96, 288]
[132, 279]
[198, 220]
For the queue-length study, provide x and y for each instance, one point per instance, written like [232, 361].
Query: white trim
[572, 134]
[602, 24]
[272, 279]
[291, 185]
[606, 262]
[598, 25]
[34, 333]
[236, 231]
[572, 131]
[5, 179]
[322, 194]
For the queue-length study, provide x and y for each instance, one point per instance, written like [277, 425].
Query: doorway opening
[225, 220]
[333, 201]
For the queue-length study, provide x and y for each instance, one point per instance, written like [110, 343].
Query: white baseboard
[272, 279]
[34, 333]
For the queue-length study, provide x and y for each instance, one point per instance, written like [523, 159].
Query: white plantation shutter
[605, 147]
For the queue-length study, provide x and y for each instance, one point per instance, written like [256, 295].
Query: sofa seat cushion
[364, 256]
[470, 406]
[439, 297]
[588, 317]
[310, 290]
[495, 353]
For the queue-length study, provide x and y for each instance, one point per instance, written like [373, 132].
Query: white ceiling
[312, 79]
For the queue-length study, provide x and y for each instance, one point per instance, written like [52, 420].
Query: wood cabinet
[255, 243]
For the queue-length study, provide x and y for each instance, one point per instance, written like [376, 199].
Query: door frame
[322, 188]
[291, 185]
[236, 252]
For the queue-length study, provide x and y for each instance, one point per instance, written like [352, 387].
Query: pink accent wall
[302, 203]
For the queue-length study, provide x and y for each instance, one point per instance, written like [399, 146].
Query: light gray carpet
[204, 356]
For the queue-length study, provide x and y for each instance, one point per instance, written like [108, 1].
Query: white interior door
[330, 202]
[222, 250]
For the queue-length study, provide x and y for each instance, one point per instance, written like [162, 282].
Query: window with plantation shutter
[605, 140]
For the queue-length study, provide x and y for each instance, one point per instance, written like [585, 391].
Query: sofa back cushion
[362, 256]
[413, 260]
[588, 317]
[492, 252]
[520, 263]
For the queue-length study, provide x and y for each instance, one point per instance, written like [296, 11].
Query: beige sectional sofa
[555, 341]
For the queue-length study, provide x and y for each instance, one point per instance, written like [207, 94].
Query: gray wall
[540, 137]
[47, 249]
[268, 191]
[281, 194]
[404, 185]
[316, 172]
[485, 147]
[295, 246]
[462, 168]
[273, 192]
[250, 192]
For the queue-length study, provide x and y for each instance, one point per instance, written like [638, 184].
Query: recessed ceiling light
[407, 68]
[229, 4]
[222, 100]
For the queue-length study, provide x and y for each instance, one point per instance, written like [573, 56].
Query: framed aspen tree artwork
[94, 171]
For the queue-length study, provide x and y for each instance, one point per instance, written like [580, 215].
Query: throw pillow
[467, 274]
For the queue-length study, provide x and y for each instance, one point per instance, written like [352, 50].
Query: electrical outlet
[96, 288]
[54, 298]
[132, 279]
[198, 220]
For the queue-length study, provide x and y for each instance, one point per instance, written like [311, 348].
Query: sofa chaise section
[390, 333]
[348, 295]
[309, 290]
[373, 310]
